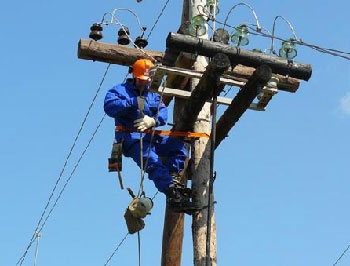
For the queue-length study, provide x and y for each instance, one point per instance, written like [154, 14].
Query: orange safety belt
[167, 132]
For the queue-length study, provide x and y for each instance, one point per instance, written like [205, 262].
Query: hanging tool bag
[116, 159]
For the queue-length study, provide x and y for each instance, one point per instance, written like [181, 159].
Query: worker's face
[142, 84]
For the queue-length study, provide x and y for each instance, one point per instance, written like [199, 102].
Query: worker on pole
[135, 110]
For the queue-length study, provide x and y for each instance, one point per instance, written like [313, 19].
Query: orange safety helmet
[141, 69]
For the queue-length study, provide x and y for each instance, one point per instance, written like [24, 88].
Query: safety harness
[172, 133]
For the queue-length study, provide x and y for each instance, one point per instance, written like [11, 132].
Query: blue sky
[282, 186]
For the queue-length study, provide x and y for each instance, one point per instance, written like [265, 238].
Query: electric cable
[116, 249]
[330, 51]
[114, 20]
[341, 256]
[320, 49]
[40, 224]
[73, 171]
[157, 20]
[42, 221]
[211, 174]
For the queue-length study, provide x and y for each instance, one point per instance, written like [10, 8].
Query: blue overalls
[121, 104]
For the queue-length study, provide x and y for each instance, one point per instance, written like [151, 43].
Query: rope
[142, 170]
[37, 247]
[149, 148]
[139, 246]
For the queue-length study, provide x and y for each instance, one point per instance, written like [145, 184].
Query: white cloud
[345, 104]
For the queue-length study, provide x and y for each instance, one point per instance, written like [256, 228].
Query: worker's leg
[157, 171]
[175, 152]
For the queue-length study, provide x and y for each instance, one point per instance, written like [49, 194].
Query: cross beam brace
[176, 43]
[126, 56]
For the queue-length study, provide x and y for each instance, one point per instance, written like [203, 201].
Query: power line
[40, 224]
[115, 250]
[341, 256]
[157, 20]
[73, 171]
[330, 51]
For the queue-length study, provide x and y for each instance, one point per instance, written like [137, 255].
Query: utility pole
[196, 82]
[173, 230]
[200, 157]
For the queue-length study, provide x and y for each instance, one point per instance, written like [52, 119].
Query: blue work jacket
[121, 104]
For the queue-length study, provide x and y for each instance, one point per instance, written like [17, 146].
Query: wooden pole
[172, 238]
[200, 156]
[173, 231]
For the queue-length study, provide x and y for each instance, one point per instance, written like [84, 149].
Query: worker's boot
[179, 199]
[181, 187]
